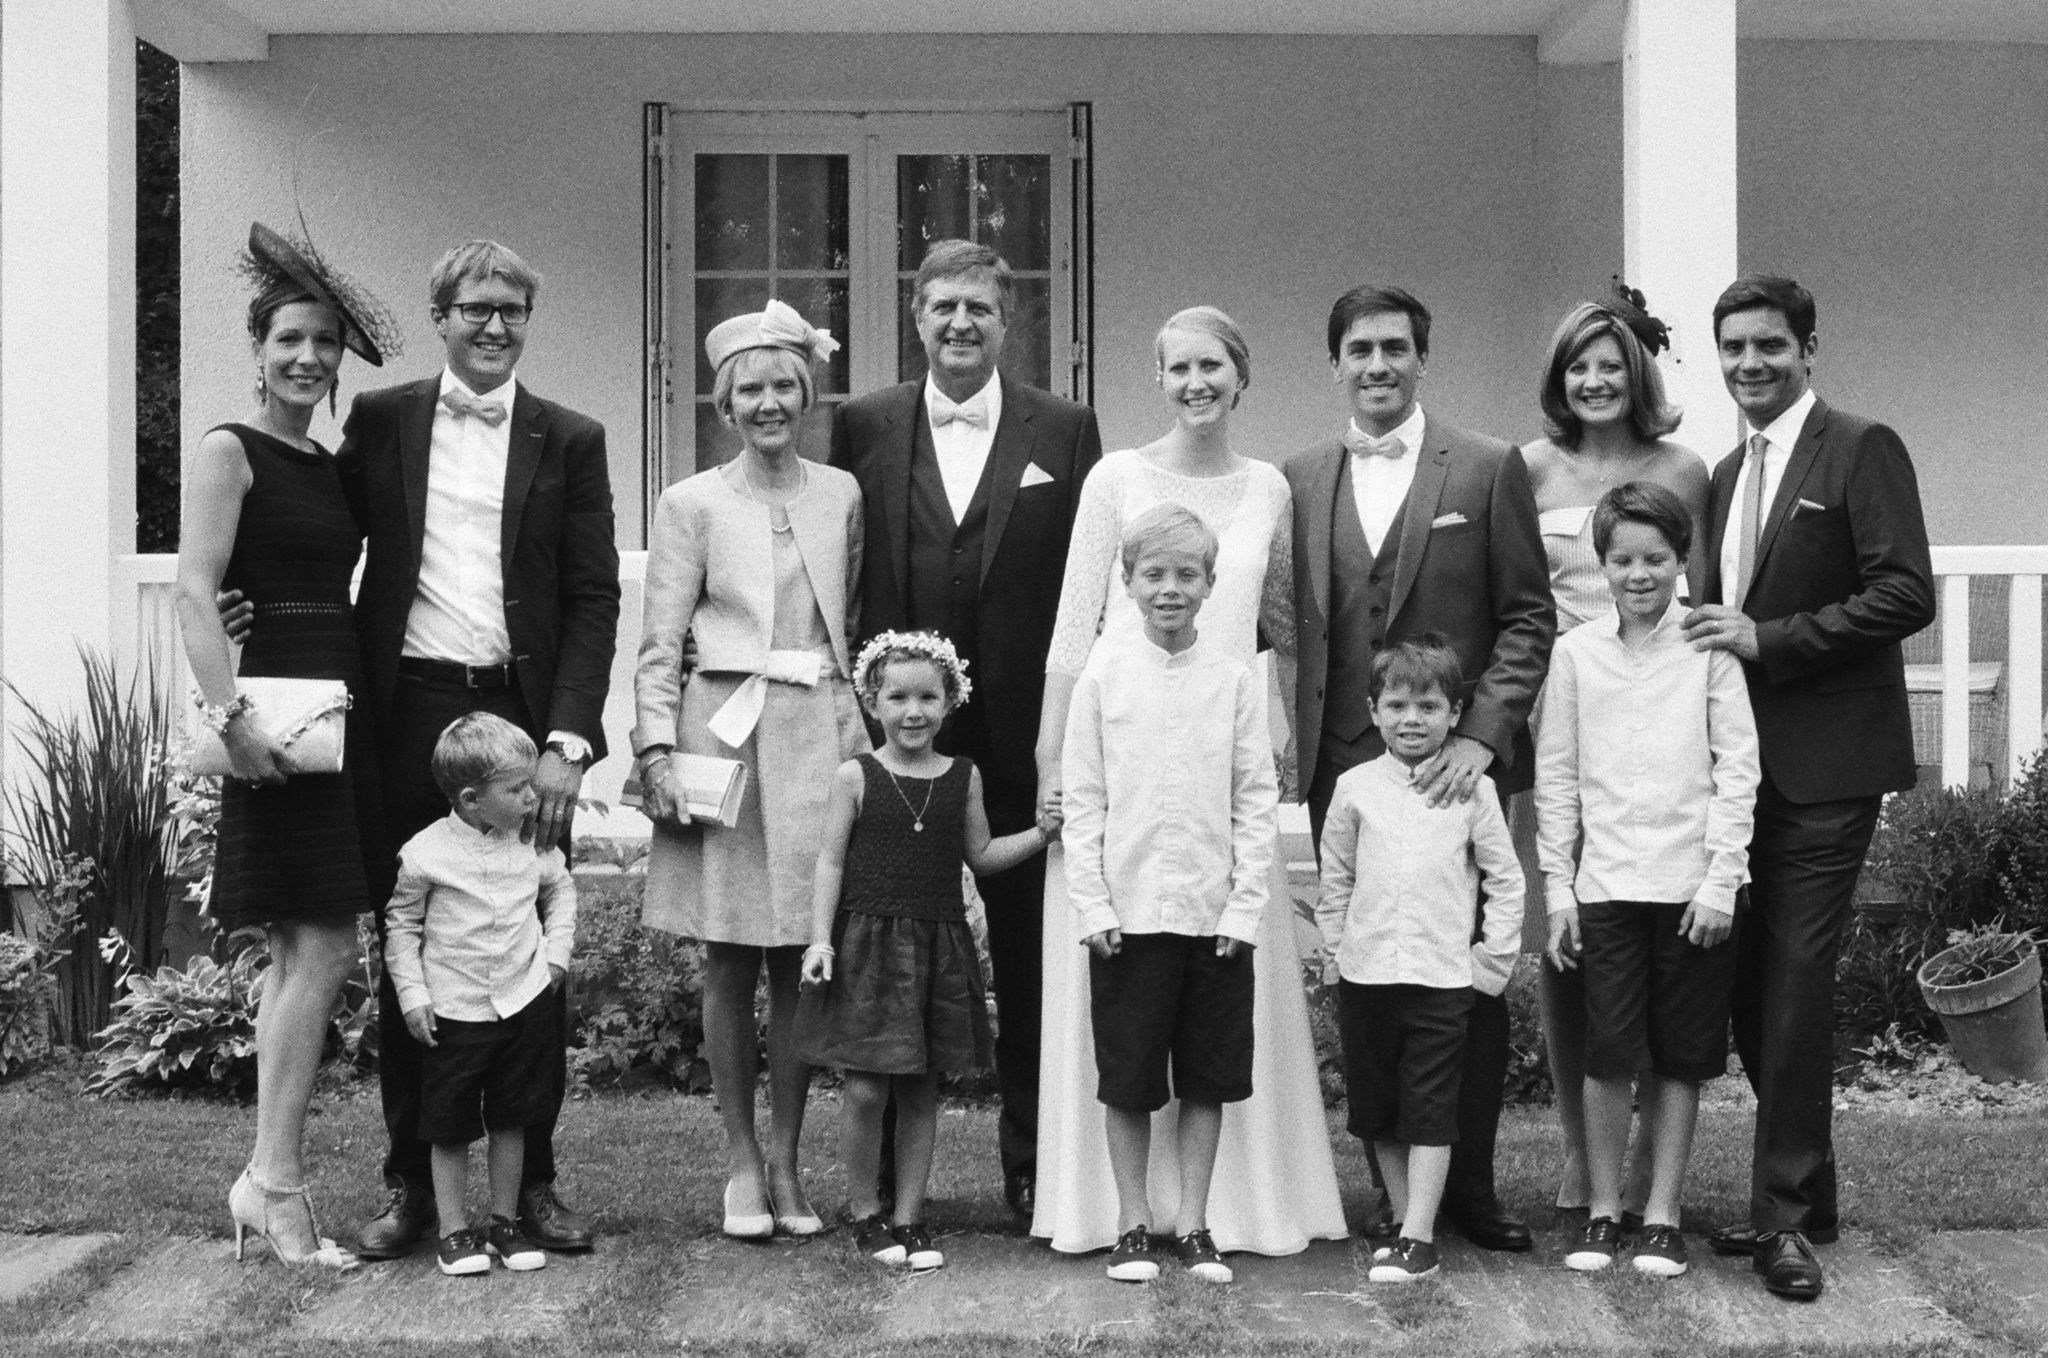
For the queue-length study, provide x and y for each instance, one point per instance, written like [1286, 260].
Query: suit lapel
[892, 470]
[529, 428]
[415, 445]
[1804, 451]
[1316, 523]
[1432, 464]
[1008, 456]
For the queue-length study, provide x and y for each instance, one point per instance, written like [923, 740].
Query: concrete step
[29, 1263]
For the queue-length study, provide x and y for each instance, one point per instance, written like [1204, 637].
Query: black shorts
[1404, 1057]
[1169, 996]
[1654, 1001]
[495, 1074]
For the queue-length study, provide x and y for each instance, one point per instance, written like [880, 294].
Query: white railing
[150, 629]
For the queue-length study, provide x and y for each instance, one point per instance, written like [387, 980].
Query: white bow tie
[945, 410]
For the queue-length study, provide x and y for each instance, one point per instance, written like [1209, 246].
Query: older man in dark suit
[1817, 570]
[1406, 526]
[491, 584]
[970, 480]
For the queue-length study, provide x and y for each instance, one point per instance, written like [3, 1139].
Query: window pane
[1014, 208]
[932, 195]
[732, 212]
[910, 364]
[810, 212]
[823, 302]
[719, 299]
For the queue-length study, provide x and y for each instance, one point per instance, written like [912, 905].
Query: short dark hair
[952, 258]
[1425, 663]
[1754, 290]
[1373, 299]
[1643, 502]
[1650, 413]
[475, 748]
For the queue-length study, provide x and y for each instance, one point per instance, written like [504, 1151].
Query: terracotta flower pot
[1995, 1025]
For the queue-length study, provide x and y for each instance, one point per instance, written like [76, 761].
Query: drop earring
[262, 388]
[334, 397]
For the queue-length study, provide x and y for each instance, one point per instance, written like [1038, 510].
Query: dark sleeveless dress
[314, 848]
[906, 995]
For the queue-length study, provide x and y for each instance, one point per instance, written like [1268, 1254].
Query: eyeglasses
[480, 313]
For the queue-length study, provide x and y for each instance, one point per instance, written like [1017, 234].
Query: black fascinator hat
[1631, 310]
[367, 327]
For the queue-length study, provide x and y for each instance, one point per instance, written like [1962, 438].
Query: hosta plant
[189, 1029]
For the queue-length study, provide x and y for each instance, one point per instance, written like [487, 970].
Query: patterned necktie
[1363, 444]
[972, 411]
[1752, 520]
[459, 405]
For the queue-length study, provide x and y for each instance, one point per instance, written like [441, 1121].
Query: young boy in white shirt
[1646, 764]
[1402, 882]
[1170, 795]
[477, 940]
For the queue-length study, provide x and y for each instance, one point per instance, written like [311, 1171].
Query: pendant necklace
[916, 812]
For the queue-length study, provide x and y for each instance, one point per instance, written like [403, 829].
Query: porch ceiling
[239, 30]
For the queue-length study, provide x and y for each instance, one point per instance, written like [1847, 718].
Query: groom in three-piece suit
[1817, 568]
[1408, 526]
[491, 583]
[970, 481]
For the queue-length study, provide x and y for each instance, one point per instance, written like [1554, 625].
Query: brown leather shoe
[408, 1215]
[549, 1223]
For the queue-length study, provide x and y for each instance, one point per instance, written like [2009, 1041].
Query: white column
[1678, 192]
[67, 333]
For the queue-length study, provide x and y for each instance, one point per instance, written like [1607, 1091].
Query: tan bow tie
[490, 412]
[1363, 444]
[972, 411]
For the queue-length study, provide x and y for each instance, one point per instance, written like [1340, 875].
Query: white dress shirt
[1779, 436]
[464, 932]
[1170, 794]
[962, 447]
[458, 611]
[1400, 878]
[1648, 755]
[1379, 485]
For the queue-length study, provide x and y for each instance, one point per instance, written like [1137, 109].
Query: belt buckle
[471, 674]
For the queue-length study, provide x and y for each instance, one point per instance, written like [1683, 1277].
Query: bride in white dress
[1275, 1187]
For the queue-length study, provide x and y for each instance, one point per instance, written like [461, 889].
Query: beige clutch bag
[713, 788]
[306, 717]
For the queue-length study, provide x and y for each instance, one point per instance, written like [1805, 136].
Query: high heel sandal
[800, 1220]
[249, 1203]
[747, 1225]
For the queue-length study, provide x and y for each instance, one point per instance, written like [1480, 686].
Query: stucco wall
[1904, 183]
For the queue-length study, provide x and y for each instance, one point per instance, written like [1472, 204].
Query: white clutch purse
[713, 788]
[306, 717]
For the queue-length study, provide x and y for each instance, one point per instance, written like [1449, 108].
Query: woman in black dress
[300, 856]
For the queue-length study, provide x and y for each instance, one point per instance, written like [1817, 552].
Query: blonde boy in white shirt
[1646, 782]
[478, 935]
[1170, 798]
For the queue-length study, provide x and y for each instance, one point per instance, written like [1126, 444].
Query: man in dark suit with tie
[970, 481]
[1817, 569]
[1408, 526]
[491, 584]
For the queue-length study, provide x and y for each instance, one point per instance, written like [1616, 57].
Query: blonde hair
[476, 748]
[1167, 527]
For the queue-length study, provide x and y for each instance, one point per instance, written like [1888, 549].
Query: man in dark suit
[1407, 526]
[971, 480]
[491, 584]
[1817, 568]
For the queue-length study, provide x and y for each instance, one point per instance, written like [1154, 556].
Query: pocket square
[1450, 520]
[1808, 507]
[1034, 475]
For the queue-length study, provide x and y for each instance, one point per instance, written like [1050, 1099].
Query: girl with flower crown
[895, 991]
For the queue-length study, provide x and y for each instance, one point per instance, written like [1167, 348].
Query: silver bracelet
[821, 950]
[216, 716]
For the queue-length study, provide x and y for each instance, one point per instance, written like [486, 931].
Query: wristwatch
[572, 747]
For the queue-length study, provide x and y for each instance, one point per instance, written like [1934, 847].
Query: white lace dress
[1275, 1187]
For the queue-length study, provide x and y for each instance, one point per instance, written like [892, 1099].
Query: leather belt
[462, 676]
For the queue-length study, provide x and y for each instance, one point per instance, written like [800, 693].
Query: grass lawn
[649, 1167]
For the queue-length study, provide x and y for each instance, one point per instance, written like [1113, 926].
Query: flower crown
[930, 646]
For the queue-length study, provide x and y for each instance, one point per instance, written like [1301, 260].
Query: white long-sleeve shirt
[1648, 754]
[475, 922]
[1401, 881]
[1169, 793]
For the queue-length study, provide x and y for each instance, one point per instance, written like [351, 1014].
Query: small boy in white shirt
[1169, 796]
[477, 941]
[1646, 763]
[1402, 882]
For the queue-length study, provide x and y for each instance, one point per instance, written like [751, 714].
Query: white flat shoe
[750, 1225]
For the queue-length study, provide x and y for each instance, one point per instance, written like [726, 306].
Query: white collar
[990, 395]
[1783, 432]
[1609, 622]
[1409, 431]
[500, 395]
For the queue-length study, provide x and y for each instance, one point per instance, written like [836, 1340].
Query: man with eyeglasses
[491, 585]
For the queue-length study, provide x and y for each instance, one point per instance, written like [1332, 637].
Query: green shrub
[2023, 847]
[638, 996]
[190, 1029]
